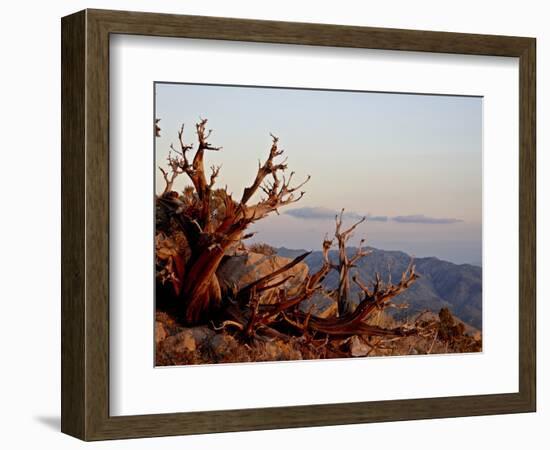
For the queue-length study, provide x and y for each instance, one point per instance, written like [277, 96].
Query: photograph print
[307, 224]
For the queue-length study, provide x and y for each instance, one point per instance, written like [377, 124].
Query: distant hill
[441, 283]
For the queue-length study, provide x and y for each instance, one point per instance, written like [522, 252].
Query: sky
[411, 163]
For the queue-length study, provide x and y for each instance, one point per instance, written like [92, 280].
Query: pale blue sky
[389, 155]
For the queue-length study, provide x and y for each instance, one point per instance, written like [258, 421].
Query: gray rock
[238, 271]
[358, 347]
[222, 344]
[182, 342]
[202, 334]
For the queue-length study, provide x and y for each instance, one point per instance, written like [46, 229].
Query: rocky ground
[178, 345]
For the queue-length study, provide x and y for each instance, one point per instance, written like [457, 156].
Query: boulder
[358, 347]
[238, 271]
[186, 340]
[160, 332]
[222, 345]
[182, 342]
[202, 334]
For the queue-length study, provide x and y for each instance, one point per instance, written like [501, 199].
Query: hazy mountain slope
[441, 283]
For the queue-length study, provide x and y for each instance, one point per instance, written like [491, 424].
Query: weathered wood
[73, 225]
[208, 235]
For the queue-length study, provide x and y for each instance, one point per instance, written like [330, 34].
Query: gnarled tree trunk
[212, 221]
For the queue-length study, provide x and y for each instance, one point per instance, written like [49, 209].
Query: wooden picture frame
[85, 224]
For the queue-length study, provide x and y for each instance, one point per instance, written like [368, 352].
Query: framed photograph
[273, 225]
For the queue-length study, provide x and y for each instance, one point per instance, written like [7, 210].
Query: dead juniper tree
[270, 319]
[345, 263]
[211, 220]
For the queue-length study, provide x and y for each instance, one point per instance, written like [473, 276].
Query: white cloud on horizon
[421, 218]
[320, 213]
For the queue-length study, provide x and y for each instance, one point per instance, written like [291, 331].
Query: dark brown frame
[85, 224]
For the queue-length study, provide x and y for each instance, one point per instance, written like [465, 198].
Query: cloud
[377, 218]
[320, 213]
[421, 218]
[326, 213]
[314, 213]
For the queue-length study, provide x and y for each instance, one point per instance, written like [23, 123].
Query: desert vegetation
[221, 300]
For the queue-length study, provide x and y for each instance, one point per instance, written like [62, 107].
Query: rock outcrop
[238, 271]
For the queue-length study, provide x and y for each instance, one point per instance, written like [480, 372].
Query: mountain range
[440, 283]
